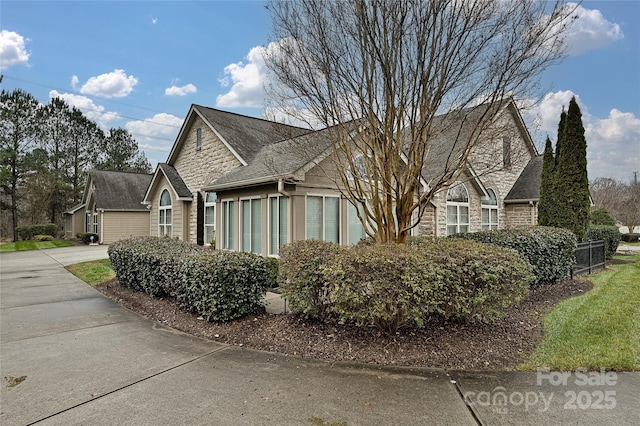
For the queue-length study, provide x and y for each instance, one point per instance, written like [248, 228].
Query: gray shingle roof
[119, 190]
[247, 135]
[175, 180]
[278, 160]
[527, 187]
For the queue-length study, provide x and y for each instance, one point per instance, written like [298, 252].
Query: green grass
[600, 329]
[93, 272]
[33, 245]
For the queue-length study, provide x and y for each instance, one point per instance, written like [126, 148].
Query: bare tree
[621, 199]
[378, 73]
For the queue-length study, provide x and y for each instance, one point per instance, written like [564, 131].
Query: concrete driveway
[69, 355]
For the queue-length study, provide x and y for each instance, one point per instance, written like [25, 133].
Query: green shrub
[601, 216]
[86, 237]
[301, 279]
[611, 236]
[630, 238]
[27, 232]
[222, 285]
[272, 264]
[150, 264]
[551, 251]
[43, 238]
[369, 284]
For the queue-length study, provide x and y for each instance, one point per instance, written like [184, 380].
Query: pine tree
[572, 184]
[547, 186]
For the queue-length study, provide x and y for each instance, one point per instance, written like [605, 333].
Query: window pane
[451, 229]
[210, 215]
[452, 215]
[464, 214]
[485, 216]
[256, 226]
[356, 230]
[211, 197]
[284, 215]
[314, 218]
[464, 229]
[165, 198]
[332, 219]
[246, 225]
[161, 219]
[232, 225]
[273, 225]
[494, 216]
[168, 216]
[210, 234]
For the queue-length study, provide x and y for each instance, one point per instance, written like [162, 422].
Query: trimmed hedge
[219, 285]
[551, 251]
[393, 286]
[222, 285]
[611, 236]
[43, 238]
[150, 264]
[27, 232]
[301, 279]
[630, 238]
[86, 237]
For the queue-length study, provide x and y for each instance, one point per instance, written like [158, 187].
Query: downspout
[281, 188]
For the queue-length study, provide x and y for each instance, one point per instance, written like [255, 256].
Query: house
[111, 205]
[254, 185]
[74, 222]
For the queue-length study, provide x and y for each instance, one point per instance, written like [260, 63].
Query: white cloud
[613, 149]
[154, 21]
[248, 81]
[115, 84]
[92, 111]
[590, 31]
[180, 91]
[156, 133]
[12, 50]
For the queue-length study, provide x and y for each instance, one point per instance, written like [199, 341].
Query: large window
[355, 228]
[457, 209]
[209, 217]
[164, 214]
[228, 225]
[323, 218]
[251, 225]
[278, 223]
[490, 212]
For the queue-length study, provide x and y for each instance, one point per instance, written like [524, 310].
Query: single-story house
[254, 185]
[111, 205]
[74, 222]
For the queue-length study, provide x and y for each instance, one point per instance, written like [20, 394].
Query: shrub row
[218, 285]
[392, 286]
[86, 237]
[43, 238]
[630, 238]
[27, 232]
[551, 251]
[610, 234]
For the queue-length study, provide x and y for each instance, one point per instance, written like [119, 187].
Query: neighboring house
[74, 221]
[112, 205]
[254, 185]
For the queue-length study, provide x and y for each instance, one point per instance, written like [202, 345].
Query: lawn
[600, 329]
[33, 245]
[93, 272]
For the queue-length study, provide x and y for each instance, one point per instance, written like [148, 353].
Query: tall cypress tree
[547, 186]
[572, 184]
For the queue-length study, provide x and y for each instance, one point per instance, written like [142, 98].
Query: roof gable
[180, 189]
[527, 186]
[116, 190]
[244, 136]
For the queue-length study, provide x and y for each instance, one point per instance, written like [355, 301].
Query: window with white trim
[355, 229]
[251, 225]
[165, 219]
[490, 212]
[278, 223]
[457, 209]
[95, 220]
[228, 225]
[209, 217]
[323, 218]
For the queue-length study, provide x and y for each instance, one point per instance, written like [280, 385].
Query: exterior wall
[123, 224]
[177, 211]
[521, 215]
[74, 224]
[199, 166]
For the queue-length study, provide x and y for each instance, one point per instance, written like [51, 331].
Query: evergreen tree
[119, 152]
[547, 186]
[572, 185]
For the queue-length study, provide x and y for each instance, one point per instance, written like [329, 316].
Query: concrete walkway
[69, 355]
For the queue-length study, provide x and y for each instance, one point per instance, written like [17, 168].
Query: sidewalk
[75, 357]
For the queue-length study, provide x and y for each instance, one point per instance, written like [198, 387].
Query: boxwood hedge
[610, 234]
[27, 232]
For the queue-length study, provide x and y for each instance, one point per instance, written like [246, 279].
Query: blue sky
[141, 64]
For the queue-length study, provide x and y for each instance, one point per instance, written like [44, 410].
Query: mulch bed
[503, 344]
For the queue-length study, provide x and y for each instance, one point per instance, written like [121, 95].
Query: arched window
[457, 209]
[164, 214]
[490, 212]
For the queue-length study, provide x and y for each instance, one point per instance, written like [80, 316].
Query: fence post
[590, 257]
